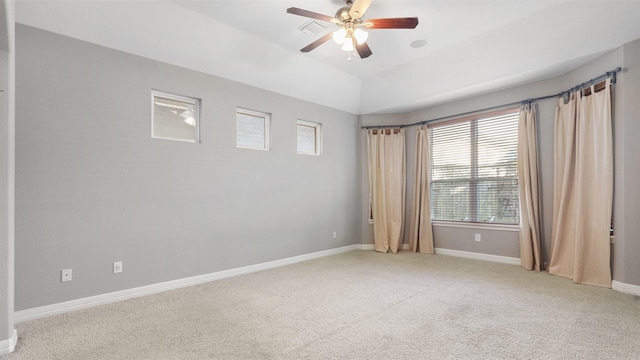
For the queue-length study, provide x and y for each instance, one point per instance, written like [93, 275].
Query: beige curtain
[528, 191]
[386, 158]
[563, 227]
[583, 189]
[421, 232]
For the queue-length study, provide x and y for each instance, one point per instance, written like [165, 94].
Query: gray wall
[626, 110]
[627, 172]
[7, 168]
[93, 187]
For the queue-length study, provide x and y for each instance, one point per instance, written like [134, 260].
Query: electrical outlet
[66, 275]
[335, 234]
[117, 267]
[478, 238]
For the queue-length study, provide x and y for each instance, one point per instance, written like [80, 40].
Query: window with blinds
[252, 129]
[174, 117]
[308, 138]
[474, 168]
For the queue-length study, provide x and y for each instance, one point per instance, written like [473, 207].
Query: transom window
[474, 168]
[308, 138]
[174, 117]
[252, 129]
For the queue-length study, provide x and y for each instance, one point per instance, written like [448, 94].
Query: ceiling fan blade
[363, 50]
[392, 23]
[309, 14]
[358, 9]
[317, 43]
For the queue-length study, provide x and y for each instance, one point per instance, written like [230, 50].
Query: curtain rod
[609, 74]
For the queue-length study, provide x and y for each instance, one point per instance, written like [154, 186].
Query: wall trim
[108, 298]
[460, 253]
[479, 256]
[625, 288]
[8, 345]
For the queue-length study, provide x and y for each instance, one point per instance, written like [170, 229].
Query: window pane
[450, 152]
[498, 146]
[251, 130]
[498, 201]
[174, 117]
[474, 169]
[450, 200]
[306, 139]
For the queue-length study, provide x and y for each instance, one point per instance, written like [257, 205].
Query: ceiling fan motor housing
[343, 13]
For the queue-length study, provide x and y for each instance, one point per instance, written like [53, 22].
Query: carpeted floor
[356, 305]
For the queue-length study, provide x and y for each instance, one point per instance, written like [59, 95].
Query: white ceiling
[473, 46]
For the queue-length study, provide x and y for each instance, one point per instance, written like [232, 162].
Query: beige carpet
[356, 305]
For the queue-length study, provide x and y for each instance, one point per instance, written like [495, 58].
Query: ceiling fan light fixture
[348, 44]
[339, 36]
[361, 36]
[351, 25]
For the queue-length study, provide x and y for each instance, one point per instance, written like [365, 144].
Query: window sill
[482, 226]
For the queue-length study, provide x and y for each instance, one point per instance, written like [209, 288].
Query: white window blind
[252, 129]
[474, 168]
[174, 117]
[308, 138]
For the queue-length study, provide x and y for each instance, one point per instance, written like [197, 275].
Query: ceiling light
[348, 44]
[345, 36]
[361, 36]
[339, 35]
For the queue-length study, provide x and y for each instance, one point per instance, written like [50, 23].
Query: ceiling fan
[350, 21]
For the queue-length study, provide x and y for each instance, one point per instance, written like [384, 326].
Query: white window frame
[318, 140]
[267, 128]
[473, 180]
[185, 99]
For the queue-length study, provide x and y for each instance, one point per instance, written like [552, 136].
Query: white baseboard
[625, 288]
[479, 256]
[8, 345]
[373, 247]
[79, 304]
[459, 253]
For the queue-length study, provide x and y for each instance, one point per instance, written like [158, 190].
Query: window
[174, 117]
[474, 168]
[308, 138]
[252, 129]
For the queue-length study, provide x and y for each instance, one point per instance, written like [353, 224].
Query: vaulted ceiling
[472, 46]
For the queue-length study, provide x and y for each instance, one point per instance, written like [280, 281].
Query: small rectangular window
[174, 117]
[252, 129]
[309, 138]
